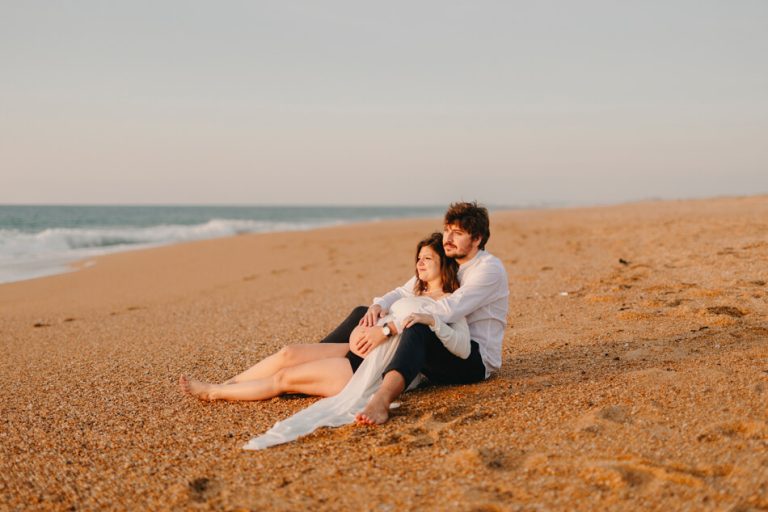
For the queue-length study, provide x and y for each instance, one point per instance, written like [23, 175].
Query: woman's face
[428, 264]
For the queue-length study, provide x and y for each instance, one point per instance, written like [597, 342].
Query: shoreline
[62, 264]
[75, 263]
[643, 387]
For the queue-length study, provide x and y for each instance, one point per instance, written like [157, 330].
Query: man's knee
[359, 311]
[417, 331]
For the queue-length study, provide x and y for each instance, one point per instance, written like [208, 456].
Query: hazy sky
[412, 102]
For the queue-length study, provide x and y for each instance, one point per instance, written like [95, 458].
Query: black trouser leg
[342, 333]
[420, 350]
[443, 367]
[411, 354]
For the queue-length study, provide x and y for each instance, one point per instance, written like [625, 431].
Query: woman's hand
[371, 316]
[418, 318]
[365, 339]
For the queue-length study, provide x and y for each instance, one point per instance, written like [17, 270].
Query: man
[483, 298]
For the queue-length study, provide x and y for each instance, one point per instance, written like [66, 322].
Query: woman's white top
[341, 409]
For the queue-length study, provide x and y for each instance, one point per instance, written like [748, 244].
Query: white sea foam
[25, 255]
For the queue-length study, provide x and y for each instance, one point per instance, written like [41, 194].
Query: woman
[325, 369]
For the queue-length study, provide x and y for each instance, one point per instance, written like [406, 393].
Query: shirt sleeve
[398, 293]
[455, 337]
[478, 289]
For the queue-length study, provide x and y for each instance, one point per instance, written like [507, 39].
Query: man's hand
[368, 339]
[418, 318]
[371, 316]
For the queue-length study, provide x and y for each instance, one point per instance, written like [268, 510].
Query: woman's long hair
[449, 269]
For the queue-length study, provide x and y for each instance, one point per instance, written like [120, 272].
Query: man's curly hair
[472, 217]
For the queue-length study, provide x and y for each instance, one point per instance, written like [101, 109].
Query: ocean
[42, 240]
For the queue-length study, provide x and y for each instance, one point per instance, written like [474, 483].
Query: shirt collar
[473, 261]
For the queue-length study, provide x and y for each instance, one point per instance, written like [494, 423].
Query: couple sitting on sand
[446, 324]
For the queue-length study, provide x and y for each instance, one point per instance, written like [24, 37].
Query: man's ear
[476, 242]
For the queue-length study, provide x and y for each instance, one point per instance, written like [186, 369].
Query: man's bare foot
[375, 413]
[196, 388]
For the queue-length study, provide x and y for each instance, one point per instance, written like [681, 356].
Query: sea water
[39, 240]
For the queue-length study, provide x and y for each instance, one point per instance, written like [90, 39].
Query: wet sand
[635, 372]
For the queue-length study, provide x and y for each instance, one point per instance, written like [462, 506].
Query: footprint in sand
[755, 430]
[653, 377]
[616, 414]
[201, 489]
[489, 498]
[426, 430]
[726, 310]
[490, 458]
[448, 414]
[727, 251]
[420, 436]
[597, 420]
[647, 475]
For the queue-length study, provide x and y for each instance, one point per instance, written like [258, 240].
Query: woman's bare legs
[323, 377]
[290, 355]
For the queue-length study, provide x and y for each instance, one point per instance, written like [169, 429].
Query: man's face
[458, 243]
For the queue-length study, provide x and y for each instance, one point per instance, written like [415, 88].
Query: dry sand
[635, 385]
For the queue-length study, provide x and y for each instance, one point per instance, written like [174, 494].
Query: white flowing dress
[341, 409]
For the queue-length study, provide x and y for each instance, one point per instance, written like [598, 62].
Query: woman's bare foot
[375, 413]
[196, 388]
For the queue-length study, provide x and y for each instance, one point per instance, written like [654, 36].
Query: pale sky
[397, 102]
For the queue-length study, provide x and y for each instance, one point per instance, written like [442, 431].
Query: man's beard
[457, 255]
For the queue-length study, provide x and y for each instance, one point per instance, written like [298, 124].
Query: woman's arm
[364, 339]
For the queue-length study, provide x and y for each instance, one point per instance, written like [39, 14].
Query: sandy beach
[635, 372]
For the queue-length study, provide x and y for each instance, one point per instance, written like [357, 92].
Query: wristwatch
[386, 330]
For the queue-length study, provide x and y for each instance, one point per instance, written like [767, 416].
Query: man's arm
[381, 305]
[481, 288]
[455, 337]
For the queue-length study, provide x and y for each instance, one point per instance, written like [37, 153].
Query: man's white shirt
[482, 298]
